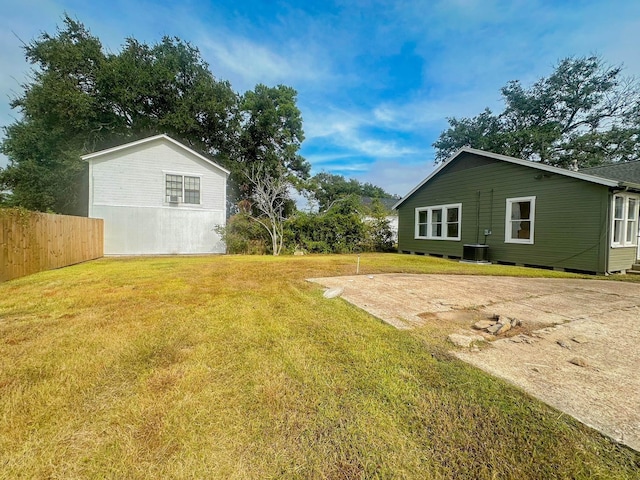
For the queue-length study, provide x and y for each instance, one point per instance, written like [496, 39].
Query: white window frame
[532, 219]
[429, 223]
[625, 221]
[182, 196]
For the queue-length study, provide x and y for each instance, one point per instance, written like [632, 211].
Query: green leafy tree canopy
[80, 98]
[585, 111]
[326, 188]
[271, 137]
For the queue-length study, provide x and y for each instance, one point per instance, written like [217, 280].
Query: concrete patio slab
[582, 356]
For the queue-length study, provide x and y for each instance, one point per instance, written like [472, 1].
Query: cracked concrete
[582, 357]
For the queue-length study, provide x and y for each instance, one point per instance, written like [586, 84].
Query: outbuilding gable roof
[587, 177]
[125, 146]
[387, 203]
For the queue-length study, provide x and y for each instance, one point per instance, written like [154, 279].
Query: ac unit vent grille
[475, 253]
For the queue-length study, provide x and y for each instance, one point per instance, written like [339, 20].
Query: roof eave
[91, 156]
[124, 146]
[518, 161]
[629, 185]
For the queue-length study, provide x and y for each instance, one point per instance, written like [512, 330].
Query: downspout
[477, 217]
[90, 206]
[608, 231]
[490, 215]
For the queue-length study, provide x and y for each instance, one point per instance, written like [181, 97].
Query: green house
[481, 206]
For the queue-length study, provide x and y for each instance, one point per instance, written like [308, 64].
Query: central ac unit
[475, 253]
[173, 199]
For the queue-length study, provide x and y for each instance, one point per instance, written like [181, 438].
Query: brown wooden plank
[31, 242]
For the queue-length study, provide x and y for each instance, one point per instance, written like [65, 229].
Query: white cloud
[430, 113]
[331, 121]
[348, 167]
[350, 132]
[247, 63]
[379, 148]
[397, 177]
[337, 57]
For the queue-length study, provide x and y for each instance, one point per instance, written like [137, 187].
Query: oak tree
[585, 111]
[271, 136]
[326, 188]
[80, 98]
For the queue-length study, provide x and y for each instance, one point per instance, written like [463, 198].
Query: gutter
[626, 186]
[609, 233]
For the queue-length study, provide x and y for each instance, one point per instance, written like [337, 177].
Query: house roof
[387, 203]
[125, 146]
[587, 177]
[621, 171]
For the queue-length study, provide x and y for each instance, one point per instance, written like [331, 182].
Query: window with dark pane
[439, 222]
[422, 224]
[632, 219]
[436, 223]
[192, 190]
[173, 188]
[618, 219]
[452, 222]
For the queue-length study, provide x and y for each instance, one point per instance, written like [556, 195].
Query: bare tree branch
[270, 195]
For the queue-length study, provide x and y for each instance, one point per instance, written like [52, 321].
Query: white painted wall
[146, 231]
[127, 190]
[393, 226]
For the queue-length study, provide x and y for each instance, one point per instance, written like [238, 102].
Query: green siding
[570, 220]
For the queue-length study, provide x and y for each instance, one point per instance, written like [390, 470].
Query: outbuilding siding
[135, 177]
[128, 190]
[156, 231]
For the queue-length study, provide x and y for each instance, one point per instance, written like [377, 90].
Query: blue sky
[376, 80]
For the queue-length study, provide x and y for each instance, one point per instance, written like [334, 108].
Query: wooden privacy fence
[31, 242]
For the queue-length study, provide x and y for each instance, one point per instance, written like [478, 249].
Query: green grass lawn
[236, 367]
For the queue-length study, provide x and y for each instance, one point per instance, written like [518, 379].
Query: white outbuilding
[157, 196]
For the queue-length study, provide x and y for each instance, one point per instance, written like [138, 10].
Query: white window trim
[507, 221]
[182, 174]
[429, 211]
[625, 221]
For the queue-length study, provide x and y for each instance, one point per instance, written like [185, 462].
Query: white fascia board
[91, 156]
[547, 168]
[518, 161]
[629, 186]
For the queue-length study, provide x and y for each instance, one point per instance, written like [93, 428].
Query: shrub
[244, 235]
[346, 227]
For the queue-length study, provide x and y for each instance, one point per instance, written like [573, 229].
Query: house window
[440, 222]
[520, 220]
[182, 189]
[192, 190]
[625, 221]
